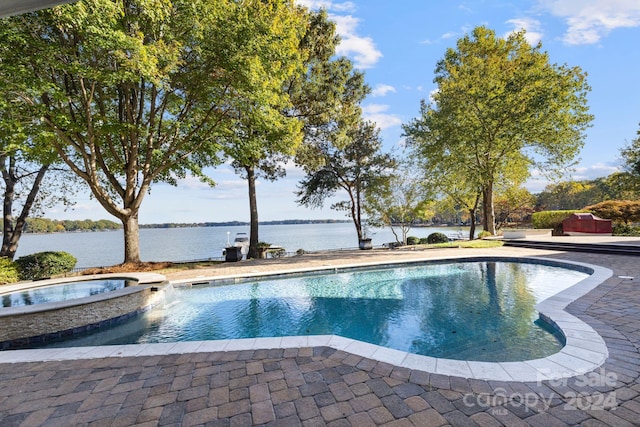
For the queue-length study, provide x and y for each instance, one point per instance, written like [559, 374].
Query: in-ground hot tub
[40, 311]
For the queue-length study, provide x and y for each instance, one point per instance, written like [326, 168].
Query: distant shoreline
[117, 227]
[243, 223]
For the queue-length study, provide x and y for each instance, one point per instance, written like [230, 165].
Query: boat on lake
[242, 241]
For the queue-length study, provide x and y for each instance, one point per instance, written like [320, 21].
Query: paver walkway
[321, 386]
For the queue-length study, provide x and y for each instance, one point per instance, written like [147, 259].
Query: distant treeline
[44, 225]
[240, 223]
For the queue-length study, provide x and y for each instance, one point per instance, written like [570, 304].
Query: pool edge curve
[584, 351]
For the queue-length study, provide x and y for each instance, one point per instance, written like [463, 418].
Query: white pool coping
[144, 279]
[585, 349]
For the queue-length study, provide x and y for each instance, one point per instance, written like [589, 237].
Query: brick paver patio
[321, 386]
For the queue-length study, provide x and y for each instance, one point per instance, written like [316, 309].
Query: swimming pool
[483, 310]
[62, 292]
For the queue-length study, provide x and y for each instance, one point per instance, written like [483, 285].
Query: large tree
[500, 103]
[259, 147]
[312, 99]
[135, 92]
[349, 170]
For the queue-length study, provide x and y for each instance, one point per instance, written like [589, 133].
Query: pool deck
[310, 383]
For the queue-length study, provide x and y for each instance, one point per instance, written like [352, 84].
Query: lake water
[95, 249]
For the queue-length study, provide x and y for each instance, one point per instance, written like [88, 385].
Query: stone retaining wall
[22, 325]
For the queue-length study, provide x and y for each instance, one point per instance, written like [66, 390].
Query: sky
[397, 44]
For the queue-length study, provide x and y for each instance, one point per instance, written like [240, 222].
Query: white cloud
[361, 49]
[465, 8]
[538, 181]
[590, 20]
[594, 171]
[532, 27]
[229, 190]
[382, 90]
[377, 113]
[432, 95]
[450, 35]
[346, 6]
[193, 183]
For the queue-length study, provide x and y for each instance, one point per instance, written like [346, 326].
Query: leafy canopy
[501, 107]
[141, 91]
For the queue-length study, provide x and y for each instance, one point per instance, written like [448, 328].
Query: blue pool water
[469, 311]
[62, 292]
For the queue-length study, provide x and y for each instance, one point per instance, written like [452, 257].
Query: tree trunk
[472, 216]
[489, 218]
[12, 231]
[356, 212]
[7, 208]
[131, 239]
[472, 229]
[253, 210]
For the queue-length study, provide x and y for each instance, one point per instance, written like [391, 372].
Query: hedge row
[551, 219]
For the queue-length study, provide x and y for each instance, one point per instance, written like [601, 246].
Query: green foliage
[620, 229]
[437, 238]
[45, 264]
[489, 243]
[618, 211]
[500, 108]
[355, 168]
[630, 155]
[551, 219]
[399, 202]
[133, 93]
[413, 240]
[477, 244]
[576, 194]
[44, 225]
[513, 205]
[484, 234]
[8, 271]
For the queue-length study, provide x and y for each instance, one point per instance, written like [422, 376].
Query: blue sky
[397, 44]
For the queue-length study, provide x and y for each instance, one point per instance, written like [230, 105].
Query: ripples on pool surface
[464, 310]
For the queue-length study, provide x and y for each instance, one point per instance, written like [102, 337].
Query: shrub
[412, 240]
[551, 219]
[625, 211]
[424, 240]
[484, 234]
[8, 271]
[437, 238]
[625, 230]
[45, 264]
